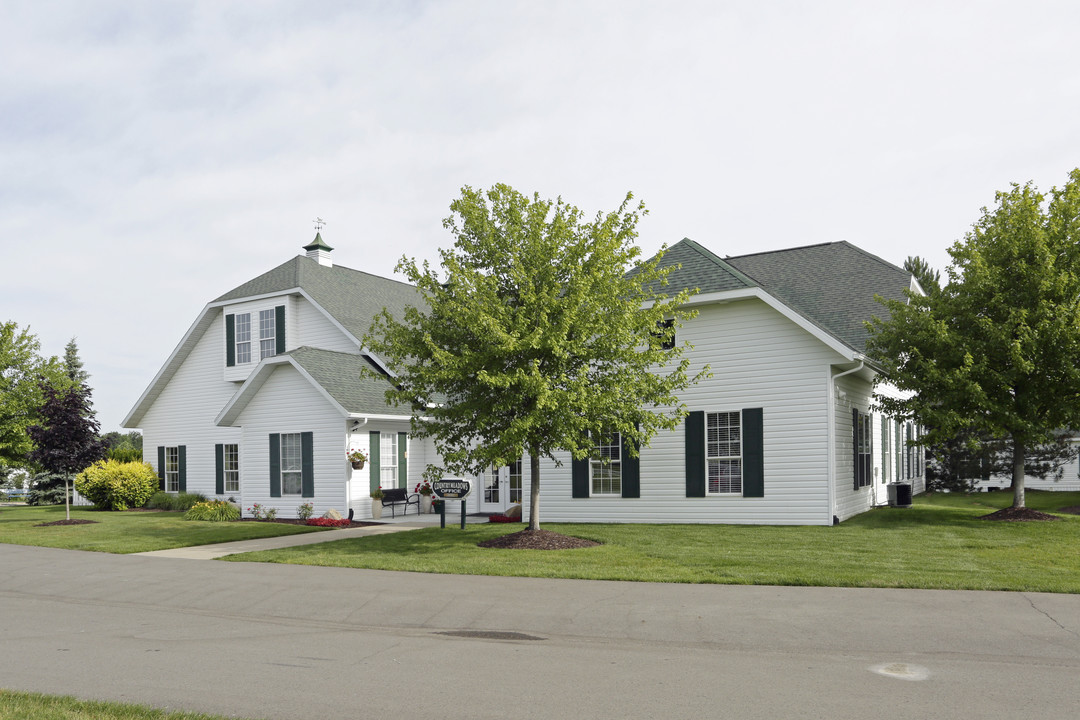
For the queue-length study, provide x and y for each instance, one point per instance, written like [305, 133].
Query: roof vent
[319, 251]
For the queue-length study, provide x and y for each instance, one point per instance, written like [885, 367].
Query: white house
[263, 397]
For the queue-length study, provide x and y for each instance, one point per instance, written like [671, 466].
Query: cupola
[319, 251]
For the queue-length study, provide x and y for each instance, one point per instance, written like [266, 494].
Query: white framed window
[172, 469]
[231, 468]
[291, 464]
[243, 338]
[267, 333]
[515, 482]
[723, 453]
[605, 465]
[886, 450]
[388, 457]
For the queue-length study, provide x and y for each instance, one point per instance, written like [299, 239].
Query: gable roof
[336, 375]
[831, 285]
[349, 296]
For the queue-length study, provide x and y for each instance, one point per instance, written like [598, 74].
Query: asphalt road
[276, 641]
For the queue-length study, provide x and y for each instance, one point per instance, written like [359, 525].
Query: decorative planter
[425, 504]
[357, 464]
[376, 508]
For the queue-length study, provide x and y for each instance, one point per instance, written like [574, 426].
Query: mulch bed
[1014, 514]
[537, 540]
[1072, 510]
[73, 521]
[294, 521]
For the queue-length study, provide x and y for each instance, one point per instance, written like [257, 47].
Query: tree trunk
[1018, 474]
[67, 500]
[534, 490]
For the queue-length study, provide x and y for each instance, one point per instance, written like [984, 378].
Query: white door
[499, 488]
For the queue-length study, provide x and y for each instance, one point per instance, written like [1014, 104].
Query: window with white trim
[291, 464]
[267, 333]
[886, 450]
[243, 338]
[515, 482]
[231, 467]
[172, 469]
[388, 459]
[723, 453]
[605, 465]
[862, 437]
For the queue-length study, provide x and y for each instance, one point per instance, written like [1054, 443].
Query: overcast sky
[156, 154]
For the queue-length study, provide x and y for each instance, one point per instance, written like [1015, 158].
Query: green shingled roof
[350, 296]
[340, 375]
[832, 285]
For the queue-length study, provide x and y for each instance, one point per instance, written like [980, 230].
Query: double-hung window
[388, 460]
[172, 469]
[243, 338]
[267, 334]
[605, 464]
[723, 452]
[515, 482]
[231, 468]
[862, 441]
[291, 464]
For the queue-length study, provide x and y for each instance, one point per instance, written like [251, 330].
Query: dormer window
[243, 338]
[267, 334]
[239, 332]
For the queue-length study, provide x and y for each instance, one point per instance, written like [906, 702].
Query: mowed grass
[938, 543]
[126, 532]
[34, 706]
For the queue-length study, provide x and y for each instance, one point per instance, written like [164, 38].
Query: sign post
[452, 489]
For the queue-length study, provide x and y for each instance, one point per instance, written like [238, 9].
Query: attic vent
[319, 251]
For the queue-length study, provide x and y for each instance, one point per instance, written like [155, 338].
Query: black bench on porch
[400, 496]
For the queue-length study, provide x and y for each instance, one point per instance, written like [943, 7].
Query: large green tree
[22, 370]
[994, 353]
[541, 332]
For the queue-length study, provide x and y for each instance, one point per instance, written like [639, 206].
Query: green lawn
[33, 706]
[127, 532]
[938, 543]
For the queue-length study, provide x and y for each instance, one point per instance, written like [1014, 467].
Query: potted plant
[357, 458]
[376, 503]
[426, 495]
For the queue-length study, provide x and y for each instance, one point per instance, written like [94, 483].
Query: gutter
[831, 435]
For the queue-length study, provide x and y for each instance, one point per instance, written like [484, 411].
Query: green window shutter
[161, 467]
[402, 460]
[230, 340]
[219, 469]
[631, 471]
[695, 454]
[579, 478]
[182, 452]
[279, 335]
[375, 476]
[307, 465]
[275, 465]
[855, 446]
[753, 452]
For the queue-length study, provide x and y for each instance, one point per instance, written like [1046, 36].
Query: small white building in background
[263, 398]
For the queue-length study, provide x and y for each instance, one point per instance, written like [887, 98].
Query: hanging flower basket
[357, 464]
[356, 458]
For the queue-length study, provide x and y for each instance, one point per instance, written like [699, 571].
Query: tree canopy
[536, 337]
[994, 353]
[66, 439]
[22, 370]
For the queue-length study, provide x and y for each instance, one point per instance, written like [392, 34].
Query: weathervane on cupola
[318, 250]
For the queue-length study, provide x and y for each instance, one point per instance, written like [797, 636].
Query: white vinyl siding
[723, 453]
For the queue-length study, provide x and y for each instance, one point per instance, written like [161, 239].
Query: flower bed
[502, 519]
[328, 522]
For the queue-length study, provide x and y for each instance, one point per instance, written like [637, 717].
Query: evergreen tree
[73, 366]
[929, 278]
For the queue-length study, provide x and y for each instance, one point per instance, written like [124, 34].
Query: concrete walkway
[389, 525]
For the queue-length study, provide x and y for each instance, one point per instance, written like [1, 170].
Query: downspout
[353, 427]
[831, 513]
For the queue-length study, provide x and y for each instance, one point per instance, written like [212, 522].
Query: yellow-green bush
[113, 485]
[213, 510]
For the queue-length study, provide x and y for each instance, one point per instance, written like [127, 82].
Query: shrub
[46, 489]
[124, 454]
[305, 511]
[180, 502]
[329, 522]
[213, 511]
[261, 512]
[113, 485]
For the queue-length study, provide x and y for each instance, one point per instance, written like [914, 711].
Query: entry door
[500, 488]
